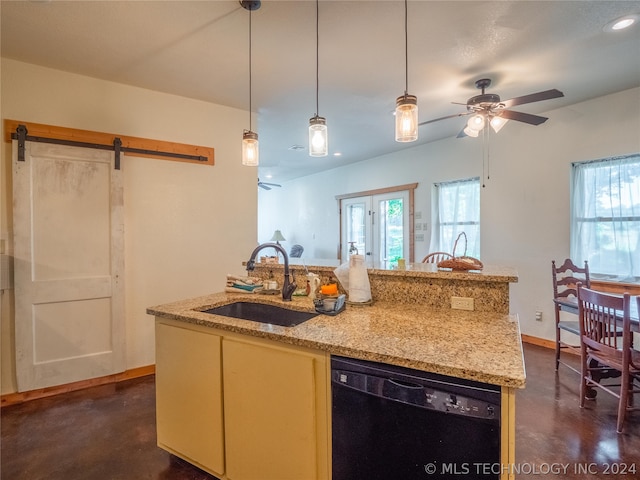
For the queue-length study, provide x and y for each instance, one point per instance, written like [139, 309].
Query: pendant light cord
[317, 56]
[406, 51]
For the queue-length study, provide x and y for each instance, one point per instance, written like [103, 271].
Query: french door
[378, 227]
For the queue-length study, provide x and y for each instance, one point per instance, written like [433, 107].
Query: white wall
[524, 207]
[182, 232]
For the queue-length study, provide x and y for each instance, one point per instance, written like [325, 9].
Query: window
[456, 209]
[605, 217]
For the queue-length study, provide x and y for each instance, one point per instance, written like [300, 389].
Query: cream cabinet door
[275, 409]
[189, 395]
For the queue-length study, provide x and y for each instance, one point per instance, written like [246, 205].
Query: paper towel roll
[359, 286]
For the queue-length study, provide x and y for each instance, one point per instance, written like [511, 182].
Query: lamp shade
[250, 152]
[470, 131]
[497, 123]
[476, 122]
[277, 237]
[318, 137]
[406, 118]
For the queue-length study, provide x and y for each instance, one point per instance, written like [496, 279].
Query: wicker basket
[463, 263]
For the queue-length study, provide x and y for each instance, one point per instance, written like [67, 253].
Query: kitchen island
[246, 359]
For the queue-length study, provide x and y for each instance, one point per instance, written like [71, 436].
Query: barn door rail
[118, 144]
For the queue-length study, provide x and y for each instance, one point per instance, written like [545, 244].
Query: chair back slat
[566, 278]
[435, 257]
[600, 317]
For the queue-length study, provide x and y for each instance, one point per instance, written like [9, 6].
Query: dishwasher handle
[403, 392]
[383, 387]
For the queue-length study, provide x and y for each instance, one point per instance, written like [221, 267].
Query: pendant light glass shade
[406, 118]
[250, 151]
[318, 137]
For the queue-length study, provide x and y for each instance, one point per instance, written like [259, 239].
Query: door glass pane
[356, 216]
[391, 231]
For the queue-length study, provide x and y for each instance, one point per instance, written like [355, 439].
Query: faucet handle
[288, 289]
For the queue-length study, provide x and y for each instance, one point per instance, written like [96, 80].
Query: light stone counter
[420, 284]
[478, 345]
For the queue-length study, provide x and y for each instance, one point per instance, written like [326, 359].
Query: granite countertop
[482, 346]
[490, 273]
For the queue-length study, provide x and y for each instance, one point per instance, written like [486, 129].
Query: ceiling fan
[487, 108]
[266, 185]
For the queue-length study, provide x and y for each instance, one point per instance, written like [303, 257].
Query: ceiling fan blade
[523, 117]
[533, 97]
[270, 184]
[262, 185]
[444, 118]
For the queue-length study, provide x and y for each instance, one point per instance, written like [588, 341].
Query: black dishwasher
[391, 422]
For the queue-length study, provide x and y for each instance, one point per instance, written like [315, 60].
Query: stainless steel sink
[263, 313]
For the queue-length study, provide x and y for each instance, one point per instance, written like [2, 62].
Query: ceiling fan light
[318, 137]
[407, 118]
[476, 122]
[470, 132]
[250, 151]
[497, 123]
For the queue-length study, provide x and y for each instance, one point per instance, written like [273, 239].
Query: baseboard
[541, 342]
[21, 397]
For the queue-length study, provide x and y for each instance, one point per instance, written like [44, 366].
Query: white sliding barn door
[69, 265]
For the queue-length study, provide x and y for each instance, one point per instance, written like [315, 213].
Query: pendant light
[406, 105]
[318, 135]
[250, 151]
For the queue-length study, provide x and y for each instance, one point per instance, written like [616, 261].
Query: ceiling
[200, 49]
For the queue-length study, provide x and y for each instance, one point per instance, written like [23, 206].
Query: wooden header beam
[131, 143]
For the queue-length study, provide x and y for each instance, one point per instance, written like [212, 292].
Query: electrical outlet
[462, 303]
[538, 316]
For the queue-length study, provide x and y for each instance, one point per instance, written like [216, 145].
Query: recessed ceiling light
[621, 23]
[296, 147]
[337, 154]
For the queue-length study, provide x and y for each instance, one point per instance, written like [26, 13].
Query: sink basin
[263, 313]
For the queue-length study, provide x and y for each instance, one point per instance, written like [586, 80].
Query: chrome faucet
[288, 287]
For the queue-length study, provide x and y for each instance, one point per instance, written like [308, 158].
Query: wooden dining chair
[565, 295]
[435, 257]
[603, 349]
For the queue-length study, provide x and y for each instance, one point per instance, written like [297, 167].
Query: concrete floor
[108, 433]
